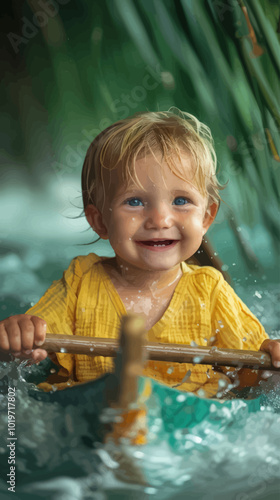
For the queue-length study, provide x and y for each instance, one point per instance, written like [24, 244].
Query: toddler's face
[161, 225]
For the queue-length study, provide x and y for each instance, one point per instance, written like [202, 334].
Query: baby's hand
[20, 333]
[273, 348]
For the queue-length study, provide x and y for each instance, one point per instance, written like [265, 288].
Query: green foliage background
[93, 62]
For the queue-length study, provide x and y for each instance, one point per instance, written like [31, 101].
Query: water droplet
[197, 359]
[234, 264]
[150, 491]
[258, 294]
[201, 393]
[91, 349]
[244, 339]
[222, 383]
[52, 370]
[181, 398]
[193, 343]
[138, 454]
[186, 377]
[238, 229]
[170, 370]
[215, 253]
[168, 400]
[62, 349]
[224, 267]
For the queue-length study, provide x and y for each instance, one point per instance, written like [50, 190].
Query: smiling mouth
[156, 243]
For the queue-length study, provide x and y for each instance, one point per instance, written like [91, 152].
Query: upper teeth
[163, 245]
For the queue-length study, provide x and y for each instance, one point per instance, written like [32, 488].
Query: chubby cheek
[192, 219]
[197, 225]
[121, 228]
[193, 232]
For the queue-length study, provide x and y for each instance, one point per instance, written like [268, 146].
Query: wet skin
[165, 211]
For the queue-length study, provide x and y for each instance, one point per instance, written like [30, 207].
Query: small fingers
[19, 334]
[27, 330]
[38, 355]
[40, 330]
[4, 340]
[13, 334]
[273, 348]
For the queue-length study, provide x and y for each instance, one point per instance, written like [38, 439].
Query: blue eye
[180, 200]
[134, 202]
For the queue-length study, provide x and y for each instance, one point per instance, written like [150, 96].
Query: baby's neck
[134, 278]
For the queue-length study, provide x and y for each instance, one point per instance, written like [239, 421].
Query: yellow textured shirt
[203, 308]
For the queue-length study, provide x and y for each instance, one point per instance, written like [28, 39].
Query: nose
[158, 217]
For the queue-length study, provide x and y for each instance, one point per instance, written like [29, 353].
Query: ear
[209, 216]
[94, 218]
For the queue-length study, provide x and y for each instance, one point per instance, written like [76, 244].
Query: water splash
[229, 443]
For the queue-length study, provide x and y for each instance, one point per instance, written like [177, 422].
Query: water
[194, 446]
[230, 453]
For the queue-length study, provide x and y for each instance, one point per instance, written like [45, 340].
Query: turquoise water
[231, 451]
[196, 448]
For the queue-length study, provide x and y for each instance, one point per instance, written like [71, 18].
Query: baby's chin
[145, 260]
[151, 267]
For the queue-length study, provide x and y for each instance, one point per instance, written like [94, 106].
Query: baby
[149, 186]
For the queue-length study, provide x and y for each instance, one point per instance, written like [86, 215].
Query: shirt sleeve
[58, 308]
[233, 324]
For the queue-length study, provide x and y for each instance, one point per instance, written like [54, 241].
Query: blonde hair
[169, 132]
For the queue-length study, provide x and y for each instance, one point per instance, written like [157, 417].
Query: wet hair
[169, 133]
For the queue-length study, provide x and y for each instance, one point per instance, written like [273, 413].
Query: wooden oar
[122, 390]
[179, 353]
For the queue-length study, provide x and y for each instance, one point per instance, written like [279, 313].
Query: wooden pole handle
[176, 353]
[130, 360]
